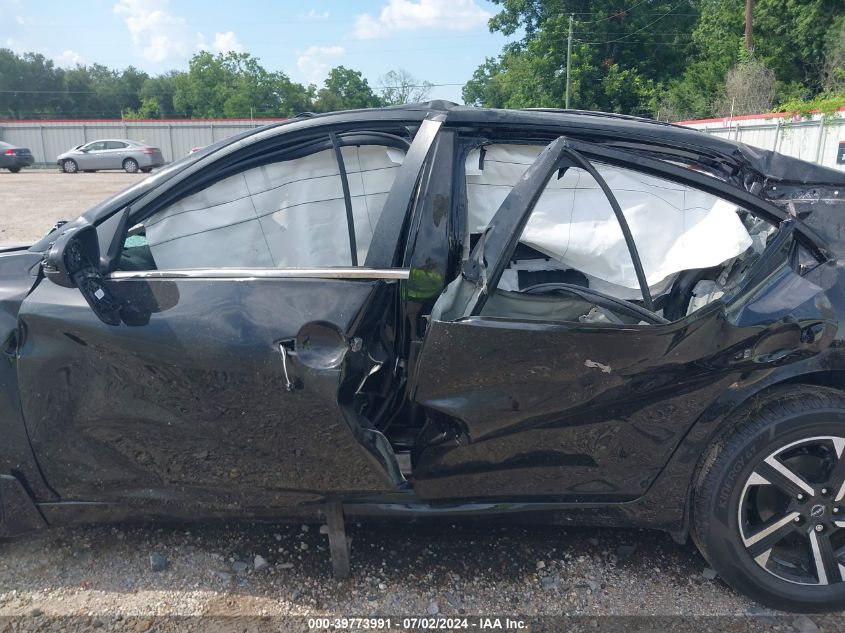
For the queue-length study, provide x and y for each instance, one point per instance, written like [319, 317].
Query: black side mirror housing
[73, 262]
[75, 248]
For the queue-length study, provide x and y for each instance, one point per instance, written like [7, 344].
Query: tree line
[225, 85]
[666, 59]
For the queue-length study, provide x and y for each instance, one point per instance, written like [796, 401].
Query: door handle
[283, 349]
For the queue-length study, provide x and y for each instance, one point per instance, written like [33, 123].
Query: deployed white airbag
[674, 227]
[286, 214]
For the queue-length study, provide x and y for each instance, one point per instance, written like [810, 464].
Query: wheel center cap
[817, 511]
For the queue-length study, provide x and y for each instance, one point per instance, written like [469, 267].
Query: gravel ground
[134, 578]
[34, 200]
[439, 569]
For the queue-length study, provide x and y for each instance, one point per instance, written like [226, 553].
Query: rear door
[113, 155]
[561, 391]
[246, 338]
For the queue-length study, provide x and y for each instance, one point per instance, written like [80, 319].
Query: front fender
[18, 276]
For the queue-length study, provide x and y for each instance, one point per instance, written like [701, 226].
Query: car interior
[572, 264]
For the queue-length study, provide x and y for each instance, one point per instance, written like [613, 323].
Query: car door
[113, 155]
[585, 399]
[94, 156]
[182, 373]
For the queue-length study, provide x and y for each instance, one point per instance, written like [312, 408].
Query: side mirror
[73, 262]
[76, 247]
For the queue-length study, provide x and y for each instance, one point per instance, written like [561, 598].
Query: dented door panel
[174, 407]
[570, 411]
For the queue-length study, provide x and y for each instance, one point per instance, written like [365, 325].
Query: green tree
[150, 109]
[621, 57]
[160, 89]
[791, 37]
[96, 91]
[79, 98]
[834, 64]
[234, 85]
[129, 84]
[30, 85]
[345, 89]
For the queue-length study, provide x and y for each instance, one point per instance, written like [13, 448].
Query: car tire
[130, 166]
[69, 166]
[14, 170]
[754, 518]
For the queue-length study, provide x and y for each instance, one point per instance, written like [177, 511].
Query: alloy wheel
[792, 512]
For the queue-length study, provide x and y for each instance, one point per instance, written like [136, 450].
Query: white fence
[48, 139]
[814, 139]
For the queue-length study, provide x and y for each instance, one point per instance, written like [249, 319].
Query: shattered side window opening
[283, 214]
[695, 247]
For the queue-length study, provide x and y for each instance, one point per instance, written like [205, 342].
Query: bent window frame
[564, 153]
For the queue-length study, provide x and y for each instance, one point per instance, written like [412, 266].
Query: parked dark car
[14, 158]
[439, 311]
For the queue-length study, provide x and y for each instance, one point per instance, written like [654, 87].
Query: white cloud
[316, 61]
[68, 58]
[158, 34]
[315, 15]
[407, 15]
[225, 42]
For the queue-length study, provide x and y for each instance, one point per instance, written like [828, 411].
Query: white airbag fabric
[675, 228]
[286, 214]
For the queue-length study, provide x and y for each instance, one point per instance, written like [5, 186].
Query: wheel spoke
[837, 477]
[763, 559]
[828, 569]
[767, 537]
[784, 478]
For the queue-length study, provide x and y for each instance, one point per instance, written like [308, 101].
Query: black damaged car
[435, 310]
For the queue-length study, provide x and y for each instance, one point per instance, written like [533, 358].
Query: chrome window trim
[264, 273]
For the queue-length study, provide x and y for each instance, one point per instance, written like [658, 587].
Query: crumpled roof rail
[596, 113]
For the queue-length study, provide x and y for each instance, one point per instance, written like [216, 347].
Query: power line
[686, 33]
[649, 42]
[625, 37]
[618, 14]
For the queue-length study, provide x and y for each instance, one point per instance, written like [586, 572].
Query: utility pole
[749, 25]
[569, 55]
